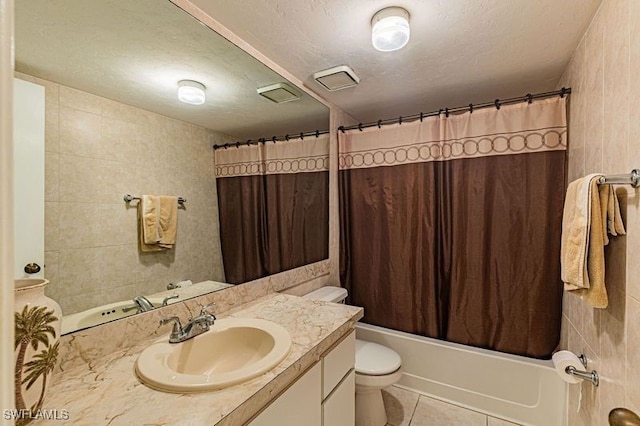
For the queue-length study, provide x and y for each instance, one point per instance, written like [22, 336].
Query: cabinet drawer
[337, 363]
[339, 409]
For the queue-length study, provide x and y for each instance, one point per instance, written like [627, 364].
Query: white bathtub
[519, 389]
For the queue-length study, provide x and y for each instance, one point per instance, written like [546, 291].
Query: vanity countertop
[108, 392]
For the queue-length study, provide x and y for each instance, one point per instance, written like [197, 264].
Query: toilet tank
[328, 294]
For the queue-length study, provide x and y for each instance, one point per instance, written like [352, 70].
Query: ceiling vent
[337, 78]
[279, 93]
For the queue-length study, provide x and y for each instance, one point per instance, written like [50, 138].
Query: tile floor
[406, 408]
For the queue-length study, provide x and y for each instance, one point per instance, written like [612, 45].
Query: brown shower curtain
[450, 227]
[273, 202]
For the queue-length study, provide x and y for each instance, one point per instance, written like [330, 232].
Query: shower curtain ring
[301, 136]
[529, 98]
[341, 128]
[470, 108]
[563, 92]
[421, 116]
[360, 126]
[400, 120]
[379, 124]
[238, 144]
[286, 137]
[273, 139]
[446, 112]
[317, 133]
[497, 103]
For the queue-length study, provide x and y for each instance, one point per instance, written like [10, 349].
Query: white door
[28, 186]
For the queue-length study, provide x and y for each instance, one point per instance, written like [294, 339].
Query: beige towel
[575, 233]
[586, 221]
[596, 293]
[150, 229]
[150, 218]
[168, 221]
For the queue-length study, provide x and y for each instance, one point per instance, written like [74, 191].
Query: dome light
[390, 29]
[191, 92]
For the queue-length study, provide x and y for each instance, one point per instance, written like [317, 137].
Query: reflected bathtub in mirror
[125, 308]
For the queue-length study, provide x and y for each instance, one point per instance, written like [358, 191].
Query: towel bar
[632, 179]
[128, 198]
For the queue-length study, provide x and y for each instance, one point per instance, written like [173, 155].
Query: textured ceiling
[460, 51]
[135, 52]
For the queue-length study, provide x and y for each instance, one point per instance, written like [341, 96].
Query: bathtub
[518, 389]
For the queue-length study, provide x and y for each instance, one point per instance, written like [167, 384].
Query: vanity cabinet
[324, 395]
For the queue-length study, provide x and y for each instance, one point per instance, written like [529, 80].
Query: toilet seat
[375, 360]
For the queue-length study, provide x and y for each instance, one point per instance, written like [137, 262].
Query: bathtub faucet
[141, 304]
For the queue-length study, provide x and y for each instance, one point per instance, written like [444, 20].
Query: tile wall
[97, 150]
[605, 137]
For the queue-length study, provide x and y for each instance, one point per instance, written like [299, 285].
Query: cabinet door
[298, 405]
[339, 409]
[337, 363]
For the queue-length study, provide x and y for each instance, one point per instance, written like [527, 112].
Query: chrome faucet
[141, 304]
[194, 327]
[165, 301]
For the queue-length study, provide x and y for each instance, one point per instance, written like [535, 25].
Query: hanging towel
[590, 213]
[168, 224]
[575, 233]
[148, 220]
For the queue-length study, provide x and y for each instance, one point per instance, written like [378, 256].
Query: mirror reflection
[114, 125]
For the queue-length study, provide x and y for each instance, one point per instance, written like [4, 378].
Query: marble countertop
[107, 392]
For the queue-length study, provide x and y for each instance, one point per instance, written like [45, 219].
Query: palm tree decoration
[33, 326]
[41, 365]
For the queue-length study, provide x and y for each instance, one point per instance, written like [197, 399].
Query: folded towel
[168, 223]
[575, 233]
[590, 213]
[142, 226]
[596, 293]
[150, 219]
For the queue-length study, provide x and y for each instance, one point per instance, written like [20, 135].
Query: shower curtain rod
[273, 139]
[471, 107]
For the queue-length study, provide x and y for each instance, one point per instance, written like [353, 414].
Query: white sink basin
[103, 314]
[234, 350]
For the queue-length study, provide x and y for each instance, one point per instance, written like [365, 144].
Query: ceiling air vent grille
[279, 93]
[337, 78]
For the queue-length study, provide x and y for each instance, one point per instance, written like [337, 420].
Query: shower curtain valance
[513, 129]
[284, 157]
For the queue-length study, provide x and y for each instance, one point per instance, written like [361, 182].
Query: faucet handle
[177, 326]
[204, 310]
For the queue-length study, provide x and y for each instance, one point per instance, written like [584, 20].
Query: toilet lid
[375, 360]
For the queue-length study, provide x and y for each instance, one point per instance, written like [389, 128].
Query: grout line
[415, 406]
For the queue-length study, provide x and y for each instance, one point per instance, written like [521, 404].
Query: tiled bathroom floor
[406, 408]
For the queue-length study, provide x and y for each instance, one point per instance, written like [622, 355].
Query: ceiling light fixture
[390, 29]
[191, 92]
[279, 93]
[337, 78]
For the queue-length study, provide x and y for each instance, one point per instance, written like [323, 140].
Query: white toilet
[377, 367]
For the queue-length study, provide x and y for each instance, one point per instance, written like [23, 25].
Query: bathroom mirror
[114, 126]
